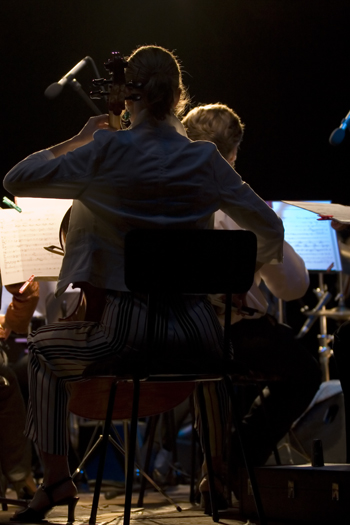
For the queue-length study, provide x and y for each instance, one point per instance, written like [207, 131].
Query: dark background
[281, 64]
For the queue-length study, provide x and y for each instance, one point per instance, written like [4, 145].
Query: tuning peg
[116, 57]
[100, 82]
[133, 97]
[97, 95]
[134, 85]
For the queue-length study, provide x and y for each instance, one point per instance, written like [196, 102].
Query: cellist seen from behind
[149, 175]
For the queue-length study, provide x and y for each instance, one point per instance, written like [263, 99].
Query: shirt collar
[171, 120]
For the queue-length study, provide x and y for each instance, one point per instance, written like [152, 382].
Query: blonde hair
[159, 72]
[217, 123]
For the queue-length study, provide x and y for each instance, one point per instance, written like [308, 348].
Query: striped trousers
[59, 353]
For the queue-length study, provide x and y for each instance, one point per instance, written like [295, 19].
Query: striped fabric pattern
[59, 353]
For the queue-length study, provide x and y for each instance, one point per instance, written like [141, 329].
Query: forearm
[41, 175]
[66, 146]
[34, 176]
[83, 137]
[289, 280]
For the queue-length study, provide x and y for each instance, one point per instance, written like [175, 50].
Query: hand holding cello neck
[117, 90]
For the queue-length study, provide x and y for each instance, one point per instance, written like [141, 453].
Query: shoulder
[206, 150]
[103, 136]
[205, 145]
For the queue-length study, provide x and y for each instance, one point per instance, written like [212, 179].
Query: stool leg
[207, 452]
[87, 455]
[131, 455]
[3, 492]
[105, 438]
[152, 430]
[247, 458]
[194, 440]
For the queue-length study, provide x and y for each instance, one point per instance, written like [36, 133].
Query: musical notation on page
[315, 241]
[23, 237]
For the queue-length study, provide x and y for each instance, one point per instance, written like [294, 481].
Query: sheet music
[315, 241]
[23, 237]
[337, 211]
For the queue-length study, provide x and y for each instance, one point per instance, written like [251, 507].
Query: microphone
[55, 89]
[337, 136]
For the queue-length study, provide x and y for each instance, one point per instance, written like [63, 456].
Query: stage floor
[156, 511]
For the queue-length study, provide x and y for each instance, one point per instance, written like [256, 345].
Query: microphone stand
[76, 86]
[54, 89]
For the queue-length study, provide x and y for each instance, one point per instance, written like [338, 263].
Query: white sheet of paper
[315, 241]
[338, 212]
[24, 235]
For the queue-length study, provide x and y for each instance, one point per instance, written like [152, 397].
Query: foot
[62, 492]
[50, 496]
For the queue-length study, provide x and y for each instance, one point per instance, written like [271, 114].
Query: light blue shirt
[148, 176]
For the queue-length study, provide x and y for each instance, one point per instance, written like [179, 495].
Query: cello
[91, 299]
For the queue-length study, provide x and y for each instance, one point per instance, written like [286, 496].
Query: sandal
[30, 515]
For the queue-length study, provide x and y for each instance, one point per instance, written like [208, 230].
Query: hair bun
[159, 72]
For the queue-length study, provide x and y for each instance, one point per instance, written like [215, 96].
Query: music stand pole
[324, 350]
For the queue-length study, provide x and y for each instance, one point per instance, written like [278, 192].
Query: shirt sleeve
[43, 175]
[250, 212]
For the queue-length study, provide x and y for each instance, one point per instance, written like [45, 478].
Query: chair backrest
[190, 261]
[170, 261]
